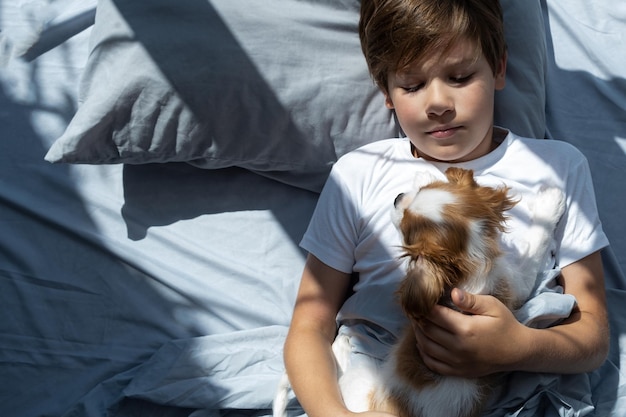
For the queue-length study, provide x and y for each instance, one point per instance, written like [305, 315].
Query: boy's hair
[396, 33]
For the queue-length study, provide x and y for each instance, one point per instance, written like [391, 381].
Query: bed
[159, 162]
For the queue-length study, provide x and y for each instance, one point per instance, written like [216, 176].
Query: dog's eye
[397, 200]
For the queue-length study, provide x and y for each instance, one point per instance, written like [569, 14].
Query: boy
[439, 63]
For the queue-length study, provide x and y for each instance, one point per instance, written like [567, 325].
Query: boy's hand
[484, 340]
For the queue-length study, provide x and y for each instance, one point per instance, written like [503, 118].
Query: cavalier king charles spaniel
[451, 233]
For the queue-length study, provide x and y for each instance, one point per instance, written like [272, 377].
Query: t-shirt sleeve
[580, 230]
[331, 235]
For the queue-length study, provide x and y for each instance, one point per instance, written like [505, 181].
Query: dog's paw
[422, 179]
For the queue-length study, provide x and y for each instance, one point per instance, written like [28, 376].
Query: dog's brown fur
[438, 262]
[438, 258]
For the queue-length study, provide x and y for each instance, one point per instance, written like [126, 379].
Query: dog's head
[449, 231]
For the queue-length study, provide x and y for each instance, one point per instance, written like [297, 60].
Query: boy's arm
[491, 340]
[309, 358]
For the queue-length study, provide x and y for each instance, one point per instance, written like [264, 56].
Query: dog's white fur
[366, 387]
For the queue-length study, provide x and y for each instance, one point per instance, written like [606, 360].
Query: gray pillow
[278, 87]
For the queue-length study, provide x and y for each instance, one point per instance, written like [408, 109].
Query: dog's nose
[397, 200]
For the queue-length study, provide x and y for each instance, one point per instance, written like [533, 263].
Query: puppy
[450, 234]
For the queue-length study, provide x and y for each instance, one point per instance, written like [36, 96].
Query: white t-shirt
[351, 228]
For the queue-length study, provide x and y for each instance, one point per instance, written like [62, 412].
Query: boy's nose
[439, 101]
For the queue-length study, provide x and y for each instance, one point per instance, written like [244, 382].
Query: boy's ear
[501, 73]
[388, 101]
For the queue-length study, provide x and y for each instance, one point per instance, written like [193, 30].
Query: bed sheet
[106, 269]
[164, 289]
[586, 100]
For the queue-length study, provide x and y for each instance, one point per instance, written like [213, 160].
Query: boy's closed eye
[461, 79]
[413, 88]
[454, 80]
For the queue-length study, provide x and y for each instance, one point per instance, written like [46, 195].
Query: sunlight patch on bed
[621, 142]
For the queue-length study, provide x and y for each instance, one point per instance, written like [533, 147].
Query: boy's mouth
[443, 132]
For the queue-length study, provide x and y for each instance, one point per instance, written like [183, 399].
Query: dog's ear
[499, 201]
[499, 198]
[506, 201]
[460, 176]
[422, 288]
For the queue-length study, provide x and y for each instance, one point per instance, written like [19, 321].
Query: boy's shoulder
[383, 148]
[545, 143]
[548, 148]
[382, 144]
[371, 162]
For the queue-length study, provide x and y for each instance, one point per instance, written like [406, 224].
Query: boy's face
[445, 103]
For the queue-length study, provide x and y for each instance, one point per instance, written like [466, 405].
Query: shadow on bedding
[214, 73]
[248, 100]
[163, 194]
[77, 320]
[587, 108]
